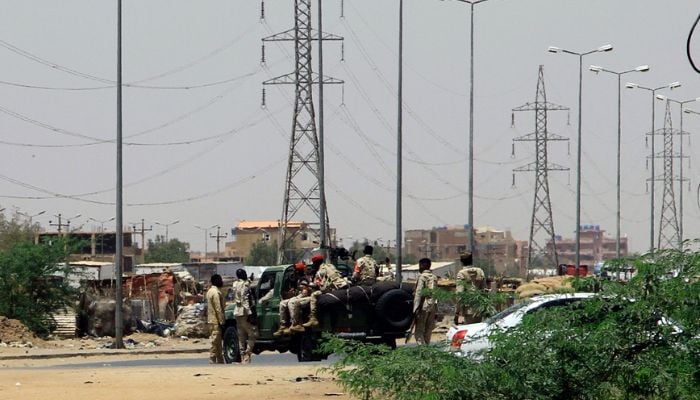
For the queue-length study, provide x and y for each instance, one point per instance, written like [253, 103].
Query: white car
[470, 339]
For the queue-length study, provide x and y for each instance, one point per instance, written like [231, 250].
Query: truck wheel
[308, 343]
[232, 351]
[394, 309]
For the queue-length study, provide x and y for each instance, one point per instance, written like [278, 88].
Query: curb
[101, 353]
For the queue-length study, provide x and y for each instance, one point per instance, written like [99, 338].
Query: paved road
[271, 359]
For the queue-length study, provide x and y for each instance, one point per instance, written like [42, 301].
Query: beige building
[596, 246]
[96, 246]
[493, 247]
[247, 233]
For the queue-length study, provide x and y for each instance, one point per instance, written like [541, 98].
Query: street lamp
[597, 69]
[30, 216]
[680, 170]
[166, 227]
[206, 234]
[102, 233]
[552, 49]
[653, 91]
[470, 216]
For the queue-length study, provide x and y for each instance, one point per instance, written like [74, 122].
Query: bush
[31, 288]
[635, 340]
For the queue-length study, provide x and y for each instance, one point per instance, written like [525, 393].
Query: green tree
[31, 288]
[15, 229]
[635, 340]
[173, 251]
[262, 253]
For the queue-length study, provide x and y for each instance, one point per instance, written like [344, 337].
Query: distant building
[95, 246]
[493, 247]
[247, 233]
[596, 246]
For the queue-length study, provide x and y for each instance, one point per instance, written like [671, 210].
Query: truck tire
[232, 351]
[395, 309]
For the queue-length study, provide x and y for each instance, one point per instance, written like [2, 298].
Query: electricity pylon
[302, 195]
[669, 232]
[542, 223]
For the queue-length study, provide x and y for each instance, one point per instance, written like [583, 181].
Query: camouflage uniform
[365, 272]
[468, 276]
[215, 319]
[247, 331]
[425, 315]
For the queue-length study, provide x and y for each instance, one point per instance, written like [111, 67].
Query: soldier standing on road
[366, 268]
[467, 276]
[424, 305]
[215, 319]
[245, 315]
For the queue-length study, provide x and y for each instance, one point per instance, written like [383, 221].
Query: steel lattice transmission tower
[669, 232]
[542, 223]
[302, 194]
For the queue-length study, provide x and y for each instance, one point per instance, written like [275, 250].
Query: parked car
[471, 339]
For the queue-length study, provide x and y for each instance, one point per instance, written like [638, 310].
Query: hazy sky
[200, 148]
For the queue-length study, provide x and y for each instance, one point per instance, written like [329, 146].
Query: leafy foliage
[262, 253]
[173, 251]
[30, 286]
[15, 229]
[636, 340]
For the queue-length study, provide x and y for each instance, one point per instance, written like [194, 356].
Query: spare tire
[395, 309]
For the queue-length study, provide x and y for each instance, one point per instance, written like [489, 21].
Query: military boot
[245, 358]
[311, 322]
[296, 328]
[281, 330]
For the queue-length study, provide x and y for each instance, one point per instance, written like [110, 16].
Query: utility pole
[542, 219]
[142, 230]
[304, 181]
[218, 238]
[59, 225]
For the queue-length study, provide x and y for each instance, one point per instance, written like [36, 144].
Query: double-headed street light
[206, 238]
[166, 227]
[653, 91]
[597, 69]
[680, 169]
[552, 49]
[102, 232]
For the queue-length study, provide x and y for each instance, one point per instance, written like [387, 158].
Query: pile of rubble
[13, 333]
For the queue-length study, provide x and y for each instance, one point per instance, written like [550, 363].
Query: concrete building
[95, 246]
[247, 233]
[494, 247]
[596, 246]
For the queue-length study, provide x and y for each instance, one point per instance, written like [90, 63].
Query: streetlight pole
[206, 237]
[653, 91]
[30, 217]
[470, 211]
[102, 233]
[680, 169]
[597, 69]
[552, 49]
[166, 227]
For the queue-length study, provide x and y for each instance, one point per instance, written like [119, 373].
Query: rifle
[413, 320]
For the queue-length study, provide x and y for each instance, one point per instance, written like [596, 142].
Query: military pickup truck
[377, 314]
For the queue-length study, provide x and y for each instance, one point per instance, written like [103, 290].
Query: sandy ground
[25, 373]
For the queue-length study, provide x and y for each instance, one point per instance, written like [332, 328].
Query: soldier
[215, 318]
[467, 276]
[366, 268]
[295, 291]
[327, 279]
[245, 315]
[424, 305]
